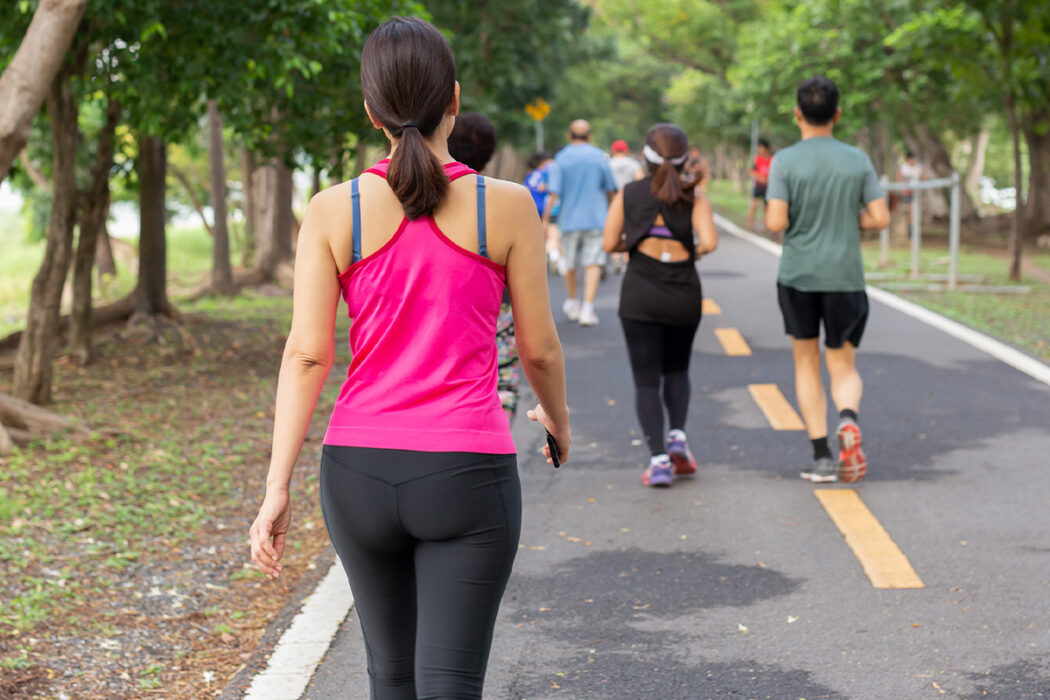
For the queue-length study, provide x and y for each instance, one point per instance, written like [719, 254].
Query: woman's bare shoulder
[509, 197]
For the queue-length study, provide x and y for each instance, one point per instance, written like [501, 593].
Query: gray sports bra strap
[355, 207]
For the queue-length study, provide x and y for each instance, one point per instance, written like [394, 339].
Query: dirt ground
[124, 565]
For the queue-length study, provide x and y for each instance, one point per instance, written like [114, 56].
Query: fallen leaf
[743, 628]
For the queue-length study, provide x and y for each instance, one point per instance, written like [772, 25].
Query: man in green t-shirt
[821, 194]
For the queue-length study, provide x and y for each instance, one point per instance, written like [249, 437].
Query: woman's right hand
[269, 532]
[562, 434]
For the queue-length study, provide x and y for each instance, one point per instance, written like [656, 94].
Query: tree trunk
[938, 163]
[247, 177]
[360, 161]
[976, 169]
[877, 129]
[273, 219]
[221, 271]
[285, 224]
[24, 83]
[1037, 208]
[6, 444]
[316, 180]
[32, 376]
[104, 261]
[264, 195]
[195, 202]
[116, 311]
[23, 415]
[152, 288]
[1017, 220]
[92, 221]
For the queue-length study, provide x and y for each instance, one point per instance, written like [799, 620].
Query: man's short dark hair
[818, 100]
[764, 142]
[472, 141]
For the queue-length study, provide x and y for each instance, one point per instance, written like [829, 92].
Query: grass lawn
[189, 262]
[1022, 320]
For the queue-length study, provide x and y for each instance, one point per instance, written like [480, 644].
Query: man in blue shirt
[582, 180]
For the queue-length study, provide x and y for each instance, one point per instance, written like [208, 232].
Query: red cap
[620, 146]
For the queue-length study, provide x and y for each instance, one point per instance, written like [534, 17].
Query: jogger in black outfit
[660, 300]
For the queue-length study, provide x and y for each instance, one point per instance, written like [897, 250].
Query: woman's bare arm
[308, 356]
[612, 236]
[537, 338]
[704, 224]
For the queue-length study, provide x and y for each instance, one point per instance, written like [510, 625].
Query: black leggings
[658, 352]
[427, 540]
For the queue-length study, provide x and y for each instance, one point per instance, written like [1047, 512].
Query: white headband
[656, 159]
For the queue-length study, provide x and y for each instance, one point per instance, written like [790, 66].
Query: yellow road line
[732, 342]
[775, 407]
[883, 561]
[710, 308]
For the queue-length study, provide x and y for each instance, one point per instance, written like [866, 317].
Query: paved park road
[739, 583]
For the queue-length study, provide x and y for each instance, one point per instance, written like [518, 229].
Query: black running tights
[427, 540]
[659, 353]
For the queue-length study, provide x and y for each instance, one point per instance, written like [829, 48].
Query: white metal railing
[916, 187]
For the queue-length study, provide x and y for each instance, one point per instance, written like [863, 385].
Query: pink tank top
[423, 337]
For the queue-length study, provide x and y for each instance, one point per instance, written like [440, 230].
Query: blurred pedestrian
[583, 183]
[653, 219]
[625, 169]
[821, 194]
[909, 171]
[419, 484]
[537, 180]
[696, 168]
[760, 174]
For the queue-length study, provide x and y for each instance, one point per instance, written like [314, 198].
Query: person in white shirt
[909, 170]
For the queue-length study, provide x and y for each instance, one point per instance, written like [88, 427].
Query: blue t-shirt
[580, 177]
[536, 183]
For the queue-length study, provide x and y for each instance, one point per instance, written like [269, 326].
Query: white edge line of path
[999, 350]
[305, 642]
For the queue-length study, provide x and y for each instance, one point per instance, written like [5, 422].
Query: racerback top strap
[454, 171]
[355, 207]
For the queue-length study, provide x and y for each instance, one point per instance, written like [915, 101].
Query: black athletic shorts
[759, 191]
[844, 315]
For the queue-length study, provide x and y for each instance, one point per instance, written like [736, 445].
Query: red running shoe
[853, 465]
[678, 449]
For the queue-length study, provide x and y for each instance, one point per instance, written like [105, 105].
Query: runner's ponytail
[665, 154]
[408, 77]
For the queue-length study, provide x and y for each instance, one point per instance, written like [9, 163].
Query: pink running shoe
[853, 465]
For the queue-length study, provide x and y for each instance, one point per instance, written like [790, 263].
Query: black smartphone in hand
[553, 446]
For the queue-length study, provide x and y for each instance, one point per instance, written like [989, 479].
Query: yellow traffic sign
[538, 109]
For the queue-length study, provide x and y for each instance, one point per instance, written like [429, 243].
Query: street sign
[538, 109]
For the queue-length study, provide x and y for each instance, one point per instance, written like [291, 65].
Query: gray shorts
[582, 248]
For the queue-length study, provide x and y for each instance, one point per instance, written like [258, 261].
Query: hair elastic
[408, 124]
[656, 159]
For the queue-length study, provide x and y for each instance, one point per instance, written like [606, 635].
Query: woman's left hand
[269, 532]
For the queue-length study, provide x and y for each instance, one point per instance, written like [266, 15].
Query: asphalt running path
[738, 582]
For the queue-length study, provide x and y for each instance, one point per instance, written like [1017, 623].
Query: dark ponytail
[670, 143]
[408, 77]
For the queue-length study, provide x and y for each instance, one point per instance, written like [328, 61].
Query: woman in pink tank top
[419, 483]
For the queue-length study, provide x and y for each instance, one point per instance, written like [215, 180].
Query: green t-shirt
[826, 184]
